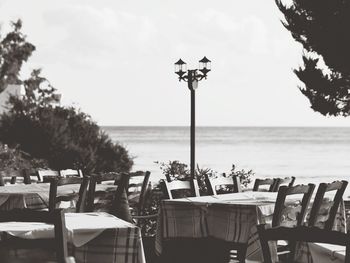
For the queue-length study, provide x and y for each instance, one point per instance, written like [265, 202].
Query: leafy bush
[14, 50]
[175, 170]
[66, 138]
[15, 159]
[245, 177]
[153, 199]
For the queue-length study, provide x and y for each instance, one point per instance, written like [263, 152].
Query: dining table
[36, 195]
[93, 237]
[227, 217]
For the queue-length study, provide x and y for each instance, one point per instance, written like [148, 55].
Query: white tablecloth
[82, 227]
[120, 241]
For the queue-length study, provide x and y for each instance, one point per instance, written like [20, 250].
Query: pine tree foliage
[322, 27]
[14, 50]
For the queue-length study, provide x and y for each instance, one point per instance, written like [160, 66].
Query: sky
[115, 60]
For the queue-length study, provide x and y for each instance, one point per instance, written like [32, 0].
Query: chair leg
[186, 250]
[241, 252]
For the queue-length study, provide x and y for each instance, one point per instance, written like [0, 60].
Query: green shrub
[175, 170]
[15, 159]
[66, 138]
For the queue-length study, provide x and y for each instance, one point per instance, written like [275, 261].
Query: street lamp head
[204, 66]
[180, 66]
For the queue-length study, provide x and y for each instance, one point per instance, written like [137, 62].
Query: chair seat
[328, 251]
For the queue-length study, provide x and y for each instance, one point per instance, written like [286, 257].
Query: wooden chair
[339, 187]
[137, 212]
[42, 174]
[137, 191]
[169, 187]
[58, 243]
[283, 210]
[30, 175]
[142, 217]
[289, 181]
[70, 173]
[261, 182]
[118, 204]
[213, 183]
[10, 175]
[301, 233]
[291, 214]
[347, 213]
[80, 197]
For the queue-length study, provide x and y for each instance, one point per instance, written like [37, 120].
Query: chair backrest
[270, 182]
[292, 213]
[10, 175]
[42, 174]
[333, 205]
[289, 181]
[168, 187]
[30, 175]
[143, 186]
[301, 233]
[70, 173]
[81, 196]
[233, 182]
[55, 217]
[119, 205]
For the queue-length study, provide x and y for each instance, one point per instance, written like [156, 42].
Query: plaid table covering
[228, 217]
[101, 238]
[113, 245]
[36, 196]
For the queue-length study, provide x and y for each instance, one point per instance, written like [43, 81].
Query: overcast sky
[115, 60]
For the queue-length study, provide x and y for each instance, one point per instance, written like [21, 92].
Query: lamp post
[192, 77]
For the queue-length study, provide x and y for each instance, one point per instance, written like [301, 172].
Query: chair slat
[168, 187]
[70, 172]
[339, 187]
[283, 181]
[283, 192]
[301, 233]
[56, 182]
[120, 205]
[213, 183]
[260, 182]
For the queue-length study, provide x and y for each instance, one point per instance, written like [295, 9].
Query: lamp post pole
[193, 125]
[193, 132]
[192, 78]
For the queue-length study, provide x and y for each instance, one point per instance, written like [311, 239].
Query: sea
[311, 154]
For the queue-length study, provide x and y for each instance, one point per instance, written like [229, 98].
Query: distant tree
[322, 27]
[38, 125]
[14, 50]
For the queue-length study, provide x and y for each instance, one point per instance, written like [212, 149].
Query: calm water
[310, 154]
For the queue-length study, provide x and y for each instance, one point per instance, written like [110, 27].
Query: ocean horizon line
[219, 126]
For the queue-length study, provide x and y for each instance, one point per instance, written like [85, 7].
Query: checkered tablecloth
[120, 242]
[36, 196]
[93, 237]
[228, 217]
